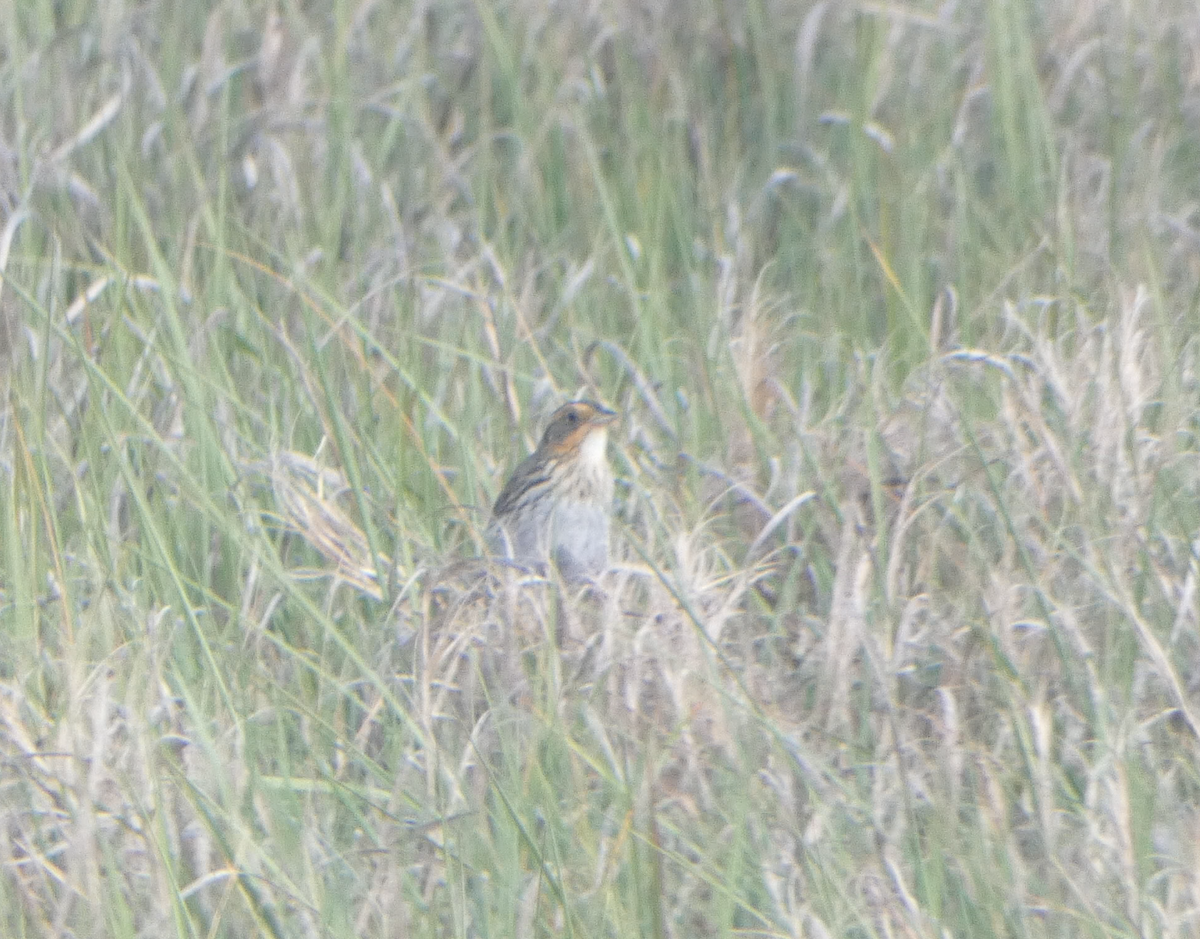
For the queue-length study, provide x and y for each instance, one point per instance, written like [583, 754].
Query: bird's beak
[603, 416]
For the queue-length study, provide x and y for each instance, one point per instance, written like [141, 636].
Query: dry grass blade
[307, 493]
[900, 635]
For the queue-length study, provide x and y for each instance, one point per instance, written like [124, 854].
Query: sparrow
[555, 507]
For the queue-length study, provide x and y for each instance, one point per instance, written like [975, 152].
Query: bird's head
[581, 426]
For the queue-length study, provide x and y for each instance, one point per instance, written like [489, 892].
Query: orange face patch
[571, 425]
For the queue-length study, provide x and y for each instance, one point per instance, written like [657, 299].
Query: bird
[556, 505]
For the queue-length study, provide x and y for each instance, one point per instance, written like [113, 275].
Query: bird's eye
[572, 417]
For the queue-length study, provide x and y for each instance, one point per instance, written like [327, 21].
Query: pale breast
[579, 535]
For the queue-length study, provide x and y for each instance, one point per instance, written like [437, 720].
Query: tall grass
[898, 304]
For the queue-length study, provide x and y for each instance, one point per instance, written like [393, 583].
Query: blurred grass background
[899, 303]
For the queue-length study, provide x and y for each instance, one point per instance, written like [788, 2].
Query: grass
[898, 304]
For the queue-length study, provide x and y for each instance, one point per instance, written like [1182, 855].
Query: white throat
[593, 453]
